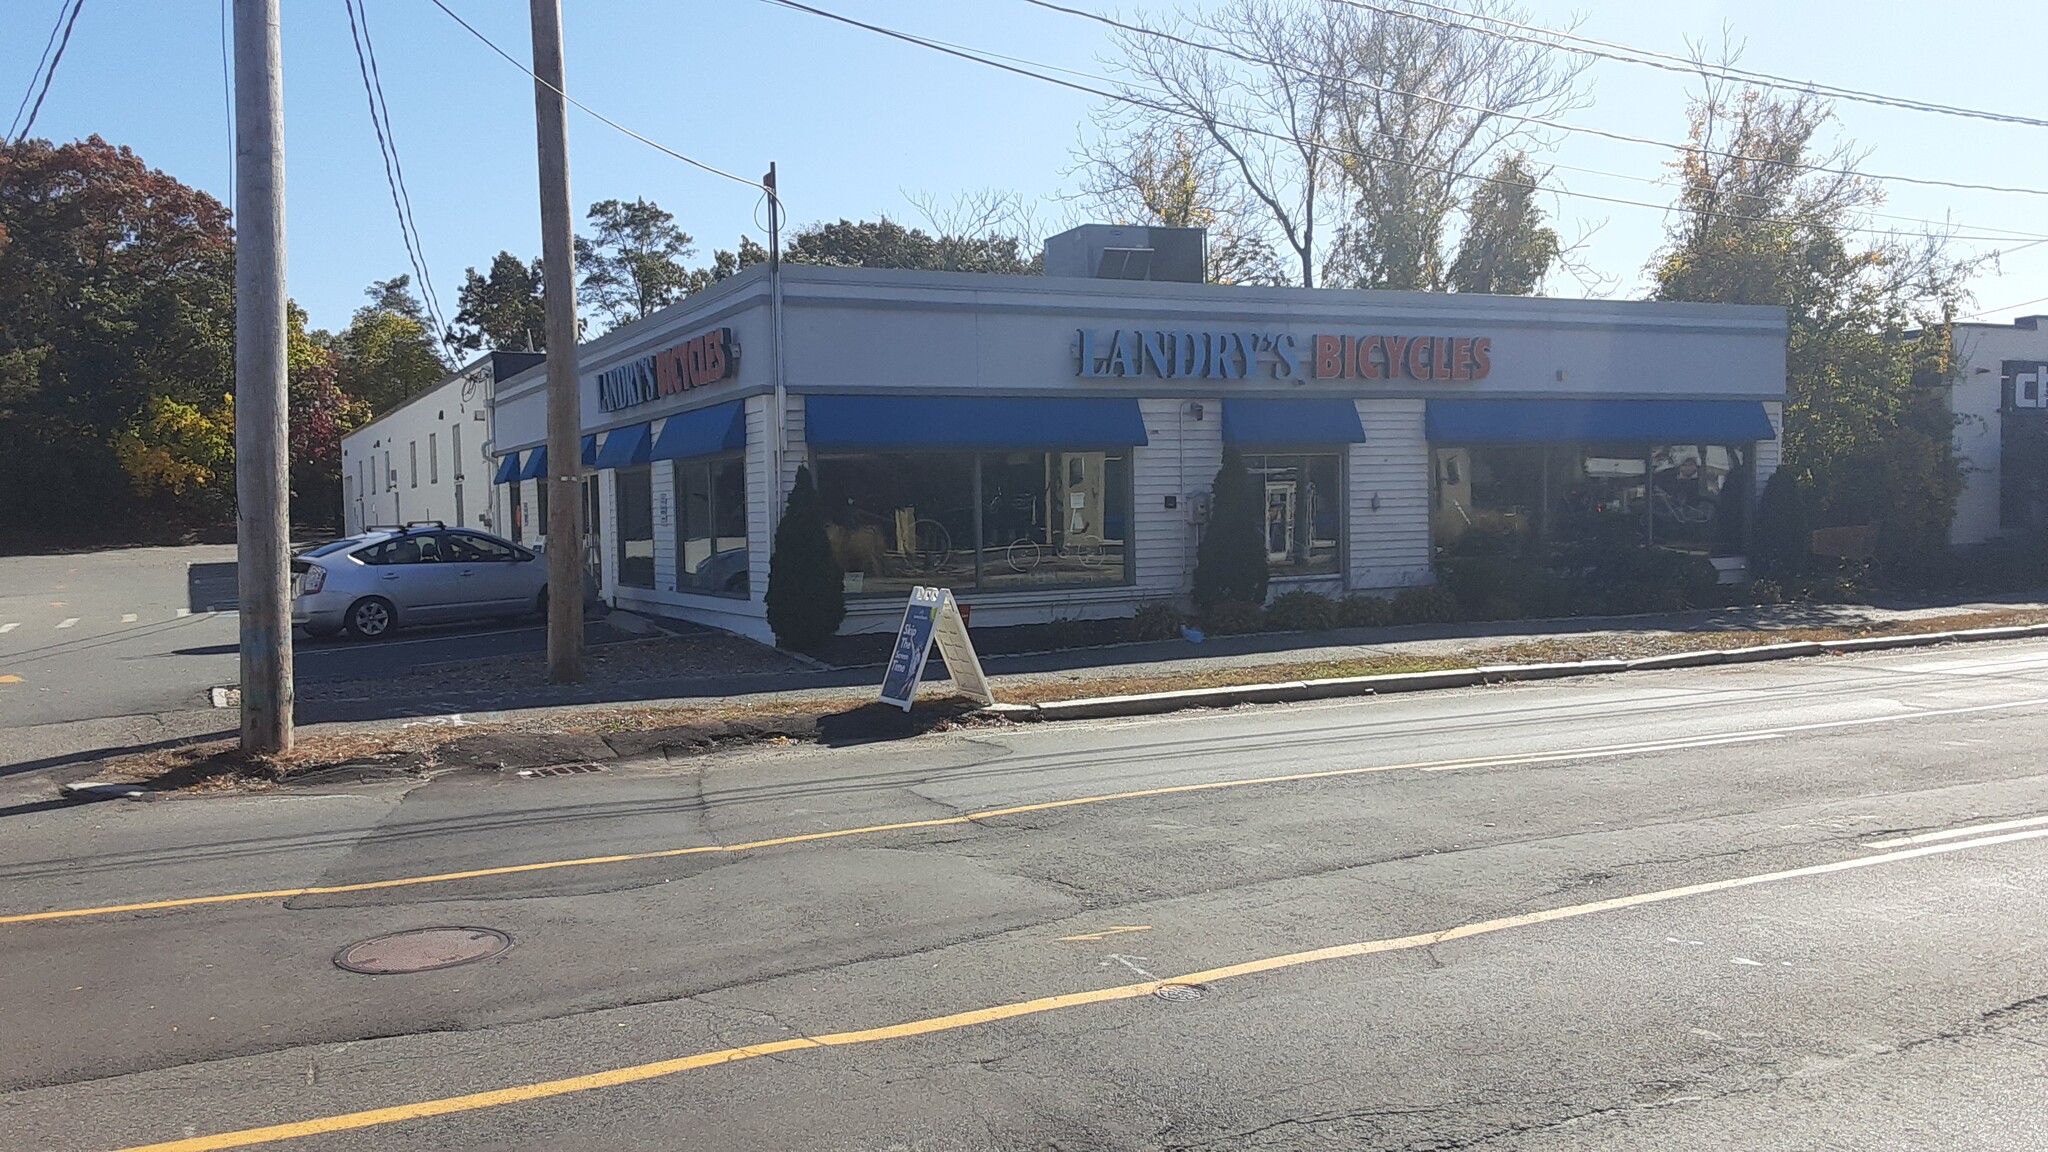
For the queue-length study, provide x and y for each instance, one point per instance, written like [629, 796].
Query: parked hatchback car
[372, 582]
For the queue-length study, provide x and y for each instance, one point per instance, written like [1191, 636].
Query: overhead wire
[599, 116]
[432, 301]
[1562, 126]
[1252, 130]
[1625, 54]
[227, 98]
[399, 201]
[50, 73]
[36, 76]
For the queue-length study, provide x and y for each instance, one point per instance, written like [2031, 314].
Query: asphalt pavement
[1775, 906]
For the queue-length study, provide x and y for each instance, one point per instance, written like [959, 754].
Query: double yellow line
[545, 1089]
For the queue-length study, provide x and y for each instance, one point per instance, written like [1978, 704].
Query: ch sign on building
[1238, 355]
[702, 360]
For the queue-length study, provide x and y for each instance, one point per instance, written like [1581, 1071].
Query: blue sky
[859, 125]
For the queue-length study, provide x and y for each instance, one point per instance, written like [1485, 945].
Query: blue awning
[705, 432]
[590, 450]
[625, 447]
[508, 469]
[536, 464]
[1291, 423]
[1598, 422]
[932, 423]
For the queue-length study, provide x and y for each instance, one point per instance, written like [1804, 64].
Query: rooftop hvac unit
[1127, 252]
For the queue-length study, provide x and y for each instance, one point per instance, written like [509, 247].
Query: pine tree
[806, 590]
[1783, 541]
[1230, 565]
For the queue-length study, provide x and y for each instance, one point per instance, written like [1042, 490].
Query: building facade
[1045, 445]
[2000, 401]
[430, 457]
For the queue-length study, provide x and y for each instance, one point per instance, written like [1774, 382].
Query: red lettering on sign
[1395, 346]
[1461, 358]
[1418, 365]
[1329, 357]
[1482, 357]
[1367, 367]
[1440, 358]
[714, 343]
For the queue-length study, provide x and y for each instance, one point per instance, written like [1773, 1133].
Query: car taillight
[314, 580]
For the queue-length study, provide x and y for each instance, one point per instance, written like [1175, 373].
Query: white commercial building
[430, 458]
[1044, 445]
[2000, 400]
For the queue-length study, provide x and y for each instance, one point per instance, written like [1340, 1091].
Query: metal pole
[262, 490]
[779, 422]
[564, 478]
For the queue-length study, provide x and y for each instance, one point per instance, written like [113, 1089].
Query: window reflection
[1686, 496]
[711, 526]
[1304, 511]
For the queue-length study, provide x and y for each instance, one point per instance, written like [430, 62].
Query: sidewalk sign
[932, 616]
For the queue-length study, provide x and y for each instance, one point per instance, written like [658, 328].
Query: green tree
[320, 414]
[1783, 542]
[1230, 564]
[1759, 222]
[632, 263]
[182, 457]
[806, 589]
[886, 244]
[1506, 249]
[387, 355]
[116, 292]
[726, 263]
[506, 310]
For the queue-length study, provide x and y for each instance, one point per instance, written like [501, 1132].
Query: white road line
[128, 618]
[184, 611]
[10, 626]
[1980, 666]
[67, 622]
[1953, 833]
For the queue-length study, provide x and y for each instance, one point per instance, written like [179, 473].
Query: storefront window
[1692, 497]
[995, 520]
[711, 526]
[1304, 511]
[633, 490]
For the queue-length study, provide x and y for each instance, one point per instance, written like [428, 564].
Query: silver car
[370, 583]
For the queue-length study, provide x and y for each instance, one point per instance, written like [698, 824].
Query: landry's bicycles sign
[1238, 355]
[701, 360]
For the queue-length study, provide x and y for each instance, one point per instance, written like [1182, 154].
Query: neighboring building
[1044, 445]
[430, 457]
[2000, 400]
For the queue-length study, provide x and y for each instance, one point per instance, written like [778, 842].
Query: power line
[227, 96]
[599, 116]
[432, 301]
[1183, 114]
[1623, 53]
[37, 75]
[2007, 307]
[51, 74]
[399, 201]
[1350, 81]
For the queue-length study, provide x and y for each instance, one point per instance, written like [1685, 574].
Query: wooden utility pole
[262, 490]
[564, 481]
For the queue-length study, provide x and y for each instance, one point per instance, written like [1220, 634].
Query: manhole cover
[422, 950]
[1178, 993]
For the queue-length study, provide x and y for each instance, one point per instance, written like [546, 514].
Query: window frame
[680, 518]
[619, 537]
[1248, 452]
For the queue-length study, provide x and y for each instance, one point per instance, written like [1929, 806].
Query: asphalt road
[124, 646]
[1780, 906]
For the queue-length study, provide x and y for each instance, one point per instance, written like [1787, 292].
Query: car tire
[370, 618]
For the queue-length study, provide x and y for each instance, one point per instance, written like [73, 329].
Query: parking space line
[10, 626]
[67, 622]
[184, 611]
[128, 618]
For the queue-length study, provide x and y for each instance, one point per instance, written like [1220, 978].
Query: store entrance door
[1279, 520]
[593, 543]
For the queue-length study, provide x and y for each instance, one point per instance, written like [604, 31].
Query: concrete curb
[1155, 703]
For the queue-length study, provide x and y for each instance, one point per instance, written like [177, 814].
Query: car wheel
[370, 618]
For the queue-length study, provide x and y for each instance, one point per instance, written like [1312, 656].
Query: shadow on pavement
[83, 755]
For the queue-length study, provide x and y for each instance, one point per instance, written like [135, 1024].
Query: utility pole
[778, 424]
[564, 481]
[262, 491]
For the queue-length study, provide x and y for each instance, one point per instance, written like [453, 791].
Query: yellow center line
[1601, 751]
[610, 1078]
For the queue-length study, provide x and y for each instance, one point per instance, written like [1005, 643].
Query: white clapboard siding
[1390, 544]
[760, 545]
[1769, 453]
[663, 475]
[608, 516]
[1180, 457]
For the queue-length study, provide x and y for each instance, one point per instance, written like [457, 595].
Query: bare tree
[1176, 176]
[1352, 135]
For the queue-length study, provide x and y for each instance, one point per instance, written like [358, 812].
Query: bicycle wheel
[1023, 554]
[932, 546]
[1089, 551]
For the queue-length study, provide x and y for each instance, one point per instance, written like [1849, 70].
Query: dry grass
[215, 766]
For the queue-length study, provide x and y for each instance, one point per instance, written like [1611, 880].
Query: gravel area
[701, 654]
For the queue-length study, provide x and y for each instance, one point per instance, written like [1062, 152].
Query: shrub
[806, 589]
[1498, 608]
[1230, 618]
[1783, 544]
[1766, 592]
[1065, 633]
[1363, 612]
[1230, 564]
[1157, 622]
[1301, 612]
[1429, 604]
